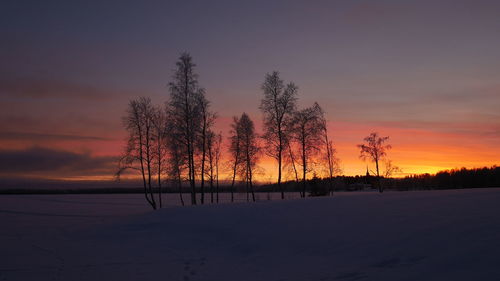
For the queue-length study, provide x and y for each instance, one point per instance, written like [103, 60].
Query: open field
[424, 235]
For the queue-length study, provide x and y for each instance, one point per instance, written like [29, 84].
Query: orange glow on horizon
[415, 151]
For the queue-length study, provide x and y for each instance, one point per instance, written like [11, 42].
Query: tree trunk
[232, 183]
[211, 191]
[202, 180]
[293, 162]
[159, 189]
[150, 188]
[217, 158]
[190, 172]
[250, 181]
[380, 189]
[179, 182]
[304, 168]
[211, 178]
[234, 173]
[217, 181]
[251, 189]
[143, 173]
[330, 161]
[247, 189]
[192, 181]
[203, 156]
[279, 173]
[148, 162]
[141, 159]
[159, 173]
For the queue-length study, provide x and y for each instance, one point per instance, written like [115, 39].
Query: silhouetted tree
[185, 111]
[211, 152]
[160, 136]
[289, 159]
[249, 149]
[138, 154]
[391, 169]
[235, 140]
[333, 164]
[207, 121]
[177, 160]
[330, 152]
[306, 130]
[217, 153]
[375, 150]
[277, 105]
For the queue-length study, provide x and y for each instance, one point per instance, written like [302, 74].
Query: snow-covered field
[427, 235]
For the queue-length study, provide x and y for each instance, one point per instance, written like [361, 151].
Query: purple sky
[429, 69]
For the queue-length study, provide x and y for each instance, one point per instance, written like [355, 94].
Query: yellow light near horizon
[415, 151]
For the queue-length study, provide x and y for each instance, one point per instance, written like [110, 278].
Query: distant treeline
[459, 178]
[452, 179]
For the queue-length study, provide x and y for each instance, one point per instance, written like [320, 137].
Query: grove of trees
[174, 145]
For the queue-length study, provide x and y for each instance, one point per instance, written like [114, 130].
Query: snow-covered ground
[426, 235]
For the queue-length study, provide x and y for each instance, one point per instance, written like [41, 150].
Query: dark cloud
[38, 161]
[47, 137]
[25, 87]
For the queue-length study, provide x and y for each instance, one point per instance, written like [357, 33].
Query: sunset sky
[425, 73]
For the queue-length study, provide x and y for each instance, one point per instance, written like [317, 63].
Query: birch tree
[211, 151]
[307, 133]
[235, 140]
[138, 154]
[250, 150]
[332, 162]
[217, 158]
[277, 106]
[374, 149]
[159, 137]
[185, 113]
[177, 160]
[207, 121]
